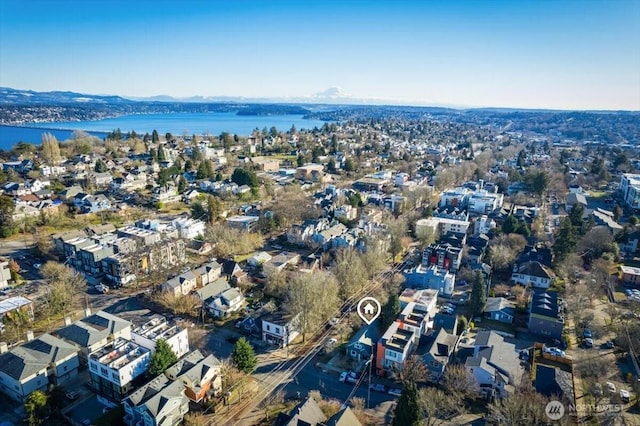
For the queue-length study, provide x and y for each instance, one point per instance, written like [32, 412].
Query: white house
[534, 273]
[229, 301]
[280, 329]
[189, 228]
[157, 328]
[113, 367]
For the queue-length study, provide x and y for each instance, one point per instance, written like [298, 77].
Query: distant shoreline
[57, 129]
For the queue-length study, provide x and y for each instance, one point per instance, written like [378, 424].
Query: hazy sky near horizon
[566, 54]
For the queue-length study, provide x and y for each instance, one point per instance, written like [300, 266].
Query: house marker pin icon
[368, 309]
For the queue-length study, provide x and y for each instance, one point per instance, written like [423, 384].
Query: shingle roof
[31, 357]
[93, 328]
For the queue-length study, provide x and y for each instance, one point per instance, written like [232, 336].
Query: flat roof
[13, 303]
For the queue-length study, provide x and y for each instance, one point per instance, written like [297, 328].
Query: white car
[394, 392]
[611, 387]
[624, 396]
[102, 288]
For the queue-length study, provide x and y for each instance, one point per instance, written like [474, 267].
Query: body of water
[212, 123]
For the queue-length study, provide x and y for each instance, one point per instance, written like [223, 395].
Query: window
[65, 368]
[268, 327]
[277, 330]
[104, 372]
[93, 367]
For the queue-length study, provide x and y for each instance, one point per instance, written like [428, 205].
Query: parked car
[343, 376]
[377, 387]
[587, 334]
[609, 344]
[37, 265]
[394, 392]
[588, 342]
[102, 288]
[625, 396]
[611, 387]
[72, 395]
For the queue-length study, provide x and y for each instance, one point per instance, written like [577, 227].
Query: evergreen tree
[154, 155]
[300, 160]
[390, 311]
[510, 225]
[35, 406]
[243, 356]
[100, 167]
[478, 293]
[182, 184]
[162, 358]
[168, 137]
[202, 171]
[244, 177]
[407, 412]
[566, 240]
[155, 138]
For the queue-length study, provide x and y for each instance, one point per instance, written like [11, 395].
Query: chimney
[29, 335]
[67, 321]
[3, 347]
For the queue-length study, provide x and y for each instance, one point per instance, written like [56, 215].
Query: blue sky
[582, 54]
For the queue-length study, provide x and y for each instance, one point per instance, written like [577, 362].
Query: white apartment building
[114, 367]
[158, 328]
[189, 228]
[630, 189]
[441, 226]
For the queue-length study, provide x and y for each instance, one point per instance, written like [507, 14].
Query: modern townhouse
[159, 328]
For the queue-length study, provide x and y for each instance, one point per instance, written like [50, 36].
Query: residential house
[11, 306]
[94, 332]
[310, 172]
[546, 314]
[423, 300]
[116, 368]
[572, 199]
[363, 343]
[393, 349]
[189, 228]
[35, 365]
[181, 285]
[279, 328]
[555, 383]
[628, 243]
[306, 413]
[606, 218]
[324, 238]
[499, 309]
[229, 301]
[431, 277]
[534, 273]
[441, 226]
[495, 364]
[242, 223]
[413, 318]
[165, 194]
[445, 256]
[159, 328]
[447, 322]
[301, 234]
[630, 275]
[100, 180]
[161, 402]
[95, 204]
[280, 261]
[5, 274]
[258, 259]
[207, 273]
[440, 348]
[210, 291]
[200, 375]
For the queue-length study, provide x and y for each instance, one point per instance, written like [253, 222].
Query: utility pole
[369, 387]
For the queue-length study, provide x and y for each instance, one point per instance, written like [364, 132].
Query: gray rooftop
[31, 357]
[93, 329]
